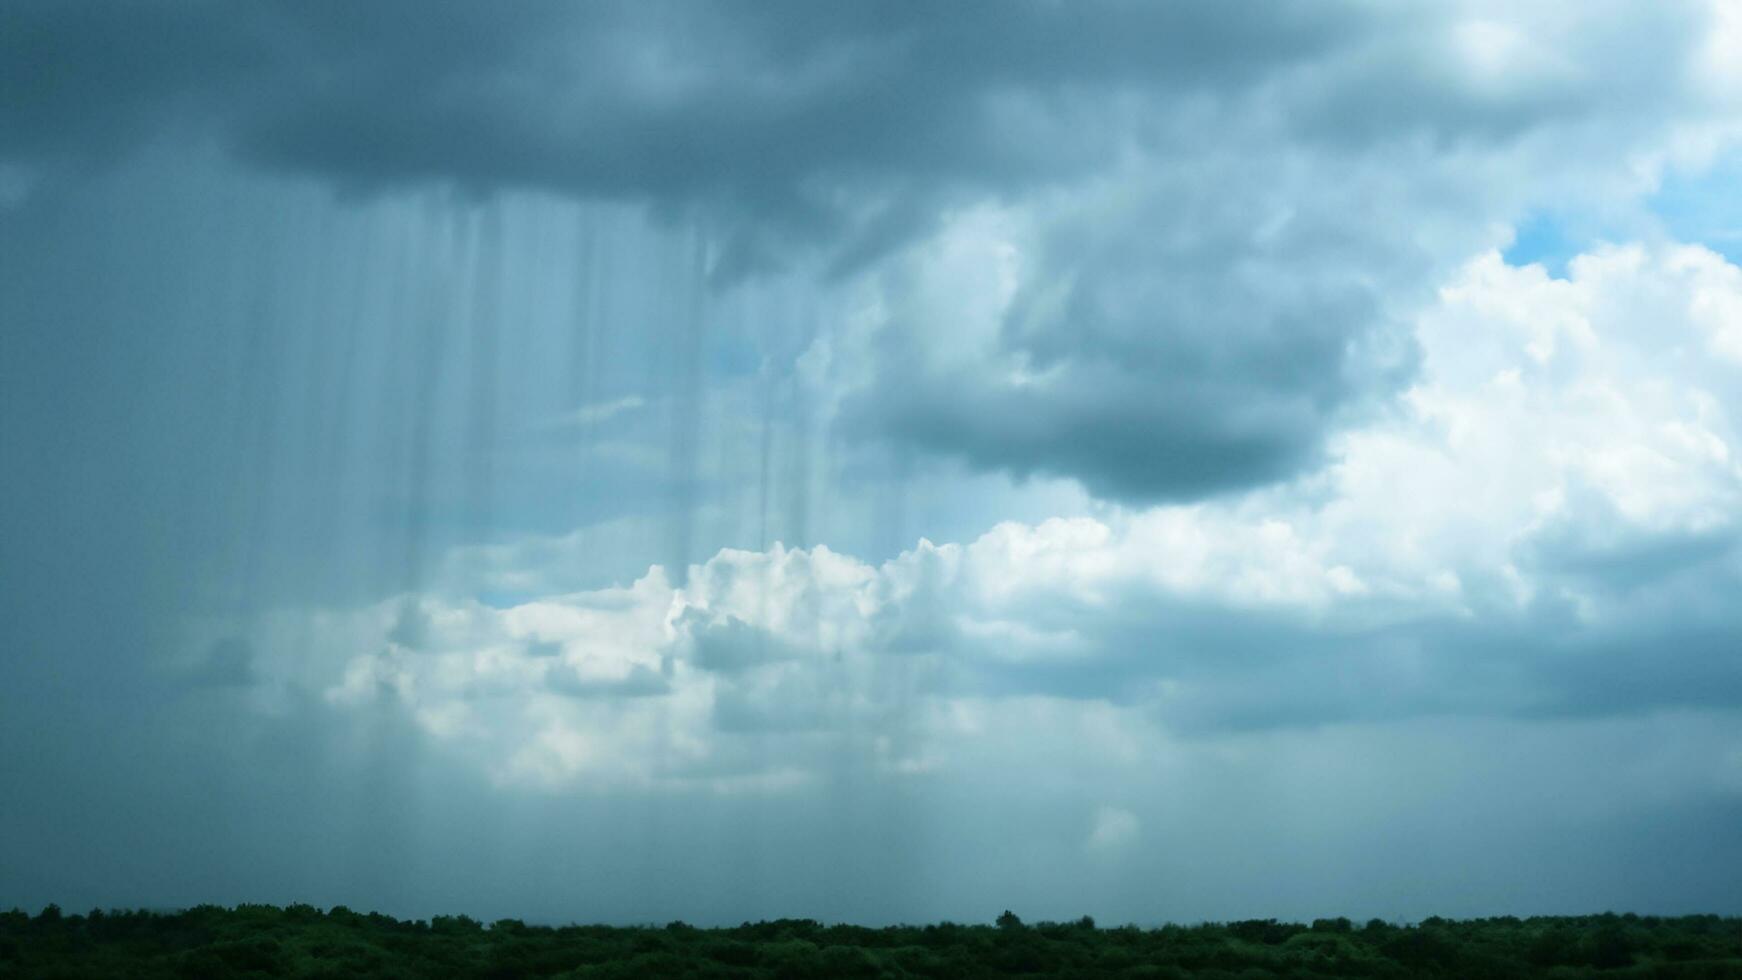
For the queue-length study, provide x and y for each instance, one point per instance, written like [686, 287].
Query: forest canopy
[304, 941]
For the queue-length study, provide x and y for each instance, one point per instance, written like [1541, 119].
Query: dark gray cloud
[808, 119]
[1593, 545]
[1205, 669]
[730, 645]
[1203, 319]
[1294, 176]
[780, 105]
[1204, 326]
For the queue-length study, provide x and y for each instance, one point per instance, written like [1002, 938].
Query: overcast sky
[885, 462]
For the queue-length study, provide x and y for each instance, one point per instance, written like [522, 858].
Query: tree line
[303, 941]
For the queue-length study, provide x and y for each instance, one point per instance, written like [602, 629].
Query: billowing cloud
[874, 114]
[1218, 222]
[1550, 511]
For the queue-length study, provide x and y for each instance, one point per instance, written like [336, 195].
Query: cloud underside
[1196, 234]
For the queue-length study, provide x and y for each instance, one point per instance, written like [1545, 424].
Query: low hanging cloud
[1546, 527]
[1217, 224]
[673, 103]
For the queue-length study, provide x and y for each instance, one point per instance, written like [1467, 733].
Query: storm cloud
[1189, 319]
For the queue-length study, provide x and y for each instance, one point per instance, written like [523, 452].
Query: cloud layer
[1211, 227]
[1545, 526]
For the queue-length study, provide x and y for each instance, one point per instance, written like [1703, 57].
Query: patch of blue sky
[1545, 238]
[1704, 208]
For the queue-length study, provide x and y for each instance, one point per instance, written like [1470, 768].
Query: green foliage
[258, 941]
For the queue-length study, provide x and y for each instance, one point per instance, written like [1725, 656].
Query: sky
[638, 461]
